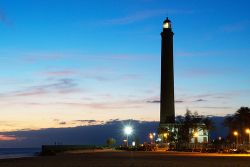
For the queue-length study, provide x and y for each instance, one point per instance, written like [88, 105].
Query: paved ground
[131, 159]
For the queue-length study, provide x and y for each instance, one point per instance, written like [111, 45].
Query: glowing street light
[128, 130]
[165, 135]
[248, 132]
[195, 138]
[154, 134]
[151, 136]
[236, 134]
[196, 134]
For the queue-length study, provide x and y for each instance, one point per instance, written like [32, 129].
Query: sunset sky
[66, 63]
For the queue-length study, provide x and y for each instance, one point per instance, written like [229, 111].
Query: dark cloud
[88, 121]
[93, 134]
[62, 123]
[214, 107]
[153, 101]
[179, 101]
[158, 101]
[199, 100]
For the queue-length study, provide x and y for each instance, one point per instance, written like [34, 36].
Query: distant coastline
[8, 153]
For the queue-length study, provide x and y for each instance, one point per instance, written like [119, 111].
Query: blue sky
[65, 60]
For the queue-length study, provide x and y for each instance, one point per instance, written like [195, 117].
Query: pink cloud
[60, 86]
[122, 57]
[7, 138]
[105, 77]
[108, 105]
[62, 73]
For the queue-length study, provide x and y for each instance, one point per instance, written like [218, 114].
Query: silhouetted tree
[192, 121]
[110, 142]
[239, 122]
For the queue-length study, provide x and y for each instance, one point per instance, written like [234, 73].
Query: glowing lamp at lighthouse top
[167, 23]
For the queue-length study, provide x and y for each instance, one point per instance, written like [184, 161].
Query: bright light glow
[158, 139]
[248, 131]
[196, 134]
[235, 133]
[167, 25]
[165, 135]
[154, 134]
[151, 136]
[133, 143]
[128, 130]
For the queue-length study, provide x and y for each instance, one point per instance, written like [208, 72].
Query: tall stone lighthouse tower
[167, 109]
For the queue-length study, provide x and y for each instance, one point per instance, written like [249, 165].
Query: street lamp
[128, 130]
[196, 134]
[154, 134]
[236, 136]
[248, 131]
[151, 137]
[195, 138]
[165, 136]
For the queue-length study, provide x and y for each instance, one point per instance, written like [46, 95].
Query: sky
[69, 63]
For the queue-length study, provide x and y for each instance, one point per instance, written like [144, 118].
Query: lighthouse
[167, 108]
[169, 130]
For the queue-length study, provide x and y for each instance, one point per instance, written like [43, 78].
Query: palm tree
[239, 121]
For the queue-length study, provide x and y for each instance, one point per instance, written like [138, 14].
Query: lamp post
[165, 136]
[248, 132]
[236, 136]
[154, 134]
[128, 130]
[151, 137]
[195, 138]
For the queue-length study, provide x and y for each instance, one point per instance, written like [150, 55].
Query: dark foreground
[116, 158]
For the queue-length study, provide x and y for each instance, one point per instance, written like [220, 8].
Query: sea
[6, 153]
